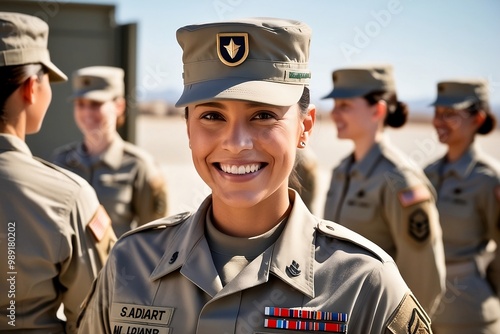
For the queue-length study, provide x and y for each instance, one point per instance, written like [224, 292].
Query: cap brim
[55, 74]
[346, 93]
[273, 93]
[94, 95]
[451, 102]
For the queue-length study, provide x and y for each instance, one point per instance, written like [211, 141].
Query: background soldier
[468, 185]
[125, 177]
[378, 193]
[55, 236]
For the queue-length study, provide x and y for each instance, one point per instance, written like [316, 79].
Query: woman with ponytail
[468, 187]
[376, 191]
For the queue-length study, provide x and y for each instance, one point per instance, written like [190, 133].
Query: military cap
[462, 93]
[98, 83]
[256, 59]
[23, 40]
[359, 81]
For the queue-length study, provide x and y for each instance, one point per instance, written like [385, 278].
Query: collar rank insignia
[232, 48]
[293, 269]
[307, 320]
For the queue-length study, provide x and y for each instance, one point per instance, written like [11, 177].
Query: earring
[302, 144]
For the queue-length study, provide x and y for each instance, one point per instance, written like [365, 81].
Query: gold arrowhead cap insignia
[232, 48]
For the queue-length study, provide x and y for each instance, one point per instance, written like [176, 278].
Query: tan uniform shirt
[125, 178]
[162, 277]
[54, 239]
[390, 202]
[469, 209]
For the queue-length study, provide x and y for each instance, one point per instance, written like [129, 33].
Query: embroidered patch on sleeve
[419, 225]
[157, 185]
[414, 195]
[410, 318]
[99, 223]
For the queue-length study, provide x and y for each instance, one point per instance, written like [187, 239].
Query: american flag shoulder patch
[414, 195]
[99, 223]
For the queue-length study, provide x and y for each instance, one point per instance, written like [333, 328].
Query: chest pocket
[116, 188]
[359, 209]
[459, 215]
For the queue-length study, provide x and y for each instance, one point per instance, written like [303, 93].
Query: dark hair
[397, 111]
[294, 178]
[304, 101]
[12, 77]
[489, 123]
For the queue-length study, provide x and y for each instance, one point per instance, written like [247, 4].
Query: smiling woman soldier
[252, 259]
[468, 186]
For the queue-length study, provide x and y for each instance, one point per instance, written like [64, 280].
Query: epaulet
[160, 223]
[337, 231]
[70, 175]
[489, 164]
[136, 151]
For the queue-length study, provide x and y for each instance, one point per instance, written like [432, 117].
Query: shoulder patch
[414, 195]
[99, 223]
[409, 317]
[101, 229]
[158, 189]
[338, 231]
[418, 225]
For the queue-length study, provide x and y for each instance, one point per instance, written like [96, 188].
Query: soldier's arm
[94, 316]
[414, 222]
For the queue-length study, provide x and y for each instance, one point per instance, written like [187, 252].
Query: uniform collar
[12, 143]
[464, 165]
[365, 167]
[293, 253]
[112, 156]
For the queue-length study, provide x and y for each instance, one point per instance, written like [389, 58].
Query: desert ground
[166, 139]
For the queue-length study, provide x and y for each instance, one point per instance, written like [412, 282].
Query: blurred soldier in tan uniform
[375, 191]
[468, 186]
[252, 259]
[125, 177]
[54, 237]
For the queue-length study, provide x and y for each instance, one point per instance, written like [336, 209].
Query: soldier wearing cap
[252, 259]
[468, 186]
[378, 193]
[125, 177]
[55, 237]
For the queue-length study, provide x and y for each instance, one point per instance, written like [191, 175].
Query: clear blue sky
[425, 40]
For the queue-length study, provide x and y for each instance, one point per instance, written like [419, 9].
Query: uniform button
[173, 258]
[361, 193]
